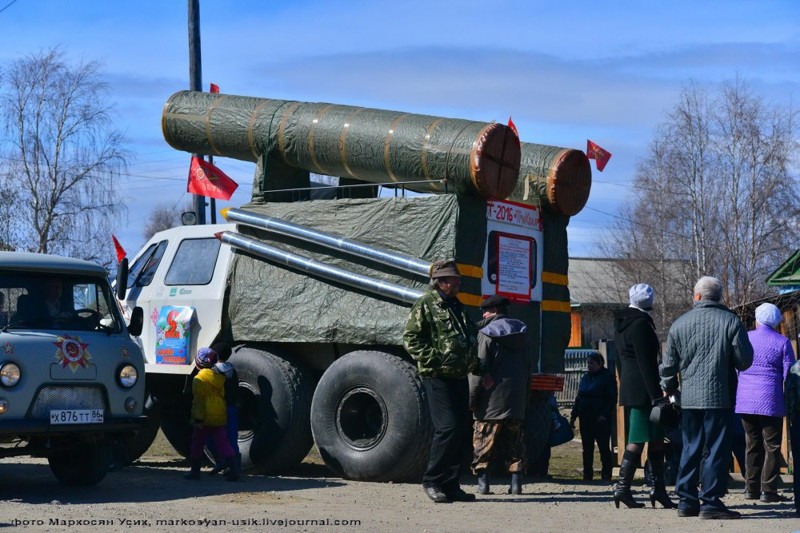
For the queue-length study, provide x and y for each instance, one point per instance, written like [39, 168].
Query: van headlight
[127, 376]
[9, 374]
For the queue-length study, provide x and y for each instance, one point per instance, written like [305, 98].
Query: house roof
[597, 281]
[786, 274]
[603, 281]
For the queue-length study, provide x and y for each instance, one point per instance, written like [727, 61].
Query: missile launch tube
[317, 268]
[348, 246]
[371, 145]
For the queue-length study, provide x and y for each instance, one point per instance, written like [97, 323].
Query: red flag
[599, 155]
[207, 180]
[214, 88]
[513, 128]
[118, 247]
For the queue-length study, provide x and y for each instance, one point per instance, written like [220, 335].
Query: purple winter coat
[760, 390]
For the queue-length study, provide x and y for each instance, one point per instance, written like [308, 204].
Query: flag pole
[196, 84]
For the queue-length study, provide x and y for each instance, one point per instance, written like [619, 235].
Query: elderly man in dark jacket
[499, 395]
[703, 347]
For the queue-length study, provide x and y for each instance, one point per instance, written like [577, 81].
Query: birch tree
[717, 194]
[63, 156]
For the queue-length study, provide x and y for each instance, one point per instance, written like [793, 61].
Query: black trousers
[448, 402]
[593, 431]
[762, 457]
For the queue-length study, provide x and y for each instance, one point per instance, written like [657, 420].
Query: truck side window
[194, 262]
[143, 270]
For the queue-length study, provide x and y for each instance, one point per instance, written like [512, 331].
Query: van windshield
[57, 301]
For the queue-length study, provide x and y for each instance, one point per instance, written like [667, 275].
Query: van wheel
[274, 410]
[370, 418]
[129, 448]
[85, 464]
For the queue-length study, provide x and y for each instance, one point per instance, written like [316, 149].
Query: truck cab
[71, 376]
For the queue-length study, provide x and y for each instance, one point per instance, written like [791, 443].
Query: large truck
[314, 293]
[71, 378]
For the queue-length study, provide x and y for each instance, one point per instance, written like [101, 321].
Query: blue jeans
[704, 428]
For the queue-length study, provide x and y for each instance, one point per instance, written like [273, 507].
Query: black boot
[622, 492]
[483, 481]
[235, 469]
[194, 473]
[658, 489]
[516, 483]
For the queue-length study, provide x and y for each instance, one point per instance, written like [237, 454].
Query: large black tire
[274, 411]
[129, 448]
[370, 418]
[538, 425]
[175, 414]
[83, 465]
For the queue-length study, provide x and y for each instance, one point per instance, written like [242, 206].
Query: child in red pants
[209, 415]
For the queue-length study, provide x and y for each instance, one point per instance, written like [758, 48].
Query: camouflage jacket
[441, 337]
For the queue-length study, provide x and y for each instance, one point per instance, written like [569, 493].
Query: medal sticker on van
[72, 352]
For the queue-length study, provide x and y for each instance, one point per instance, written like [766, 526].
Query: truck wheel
[83, 465]
[176, 426]
[274, 409]
[538, 425]
[130, 448]
[370, 418]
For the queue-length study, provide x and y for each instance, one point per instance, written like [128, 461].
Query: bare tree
[716, 196]
[161, 218]
[64, 156]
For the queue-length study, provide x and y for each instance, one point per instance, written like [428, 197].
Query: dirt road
[153, 496]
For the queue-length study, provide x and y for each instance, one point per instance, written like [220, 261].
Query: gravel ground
[152, 495]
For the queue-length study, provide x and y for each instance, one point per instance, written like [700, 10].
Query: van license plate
[76, 416]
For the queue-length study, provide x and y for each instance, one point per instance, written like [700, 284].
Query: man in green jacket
[442, 340]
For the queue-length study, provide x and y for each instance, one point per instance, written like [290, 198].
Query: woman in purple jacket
[759, 400]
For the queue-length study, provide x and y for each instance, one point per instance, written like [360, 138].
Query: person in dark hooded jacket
[638, 351]
[594, 406]
[498, 397]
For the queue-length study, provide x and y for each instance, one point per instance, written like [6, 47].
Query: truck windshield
[57, 301]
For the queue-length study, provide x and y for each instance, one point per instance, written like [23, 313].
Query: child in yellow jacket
[209, 415]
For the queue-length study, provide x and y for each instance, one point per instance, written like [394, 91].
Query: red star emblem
[8, 349]
[72, 352]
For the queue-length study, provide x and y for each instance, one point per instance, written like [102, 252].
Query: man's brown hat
[445, 268]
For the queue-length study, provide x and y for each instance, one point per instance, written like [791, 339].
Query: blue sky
[566, 71]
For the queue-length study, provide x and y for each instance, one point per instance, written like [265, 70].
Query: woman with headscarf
[638, 351]
[760, 402]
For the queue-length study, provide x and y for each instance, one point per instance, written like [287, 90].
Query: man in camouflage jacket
[442, 340]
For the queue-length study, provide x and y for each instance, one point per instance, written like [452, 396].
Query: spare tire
[274, 410]
[370, 418]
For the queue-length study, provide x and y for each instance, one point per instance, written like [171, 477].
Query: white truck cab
[71, 377]
[179, 279]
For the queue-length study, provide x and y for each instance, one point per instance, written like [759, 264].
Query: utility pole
[196, 84]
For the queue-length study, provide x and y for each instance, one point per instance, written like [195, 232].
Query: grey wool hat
[641, 295]
[444, 269]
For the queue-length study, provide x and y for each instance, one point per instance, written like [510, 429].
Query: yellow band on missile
[470, 271]
[555, 306]
[554, 278]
